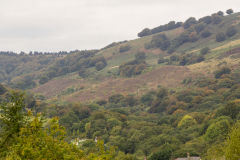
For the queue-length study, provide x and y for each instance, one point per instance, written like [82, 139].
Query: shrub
[231, 31]
[220, 37]
[199, 28]
[171, 25]
[129, 70]
[160, 41]
[100, 65]
[130, 100]
[204, 50]
[161, 60]
[232, 147]
[116, 98]
[174, 58]
[217, 130]
[207, 19]
[222, 71]
[231, 109]
[43, 79]
[82, 73]
[216, 19]
[192, 37]
[101, 102]
[187, 121]
[183, 38]
[148, 98]
[189, 22]
[52, 73]
[187, 81]
[145, 32]
[206, 34]
[26, 82]
[229, 11]
[225, 83]
[220, 13]
[162, 92]
[183, 61]
[163, 154]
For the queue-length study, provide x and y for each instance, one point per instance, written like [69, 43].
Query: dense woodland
[200, 117]
[161, 123]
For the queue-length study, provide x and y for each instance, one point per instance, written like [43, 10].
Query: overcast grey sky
[54, 25]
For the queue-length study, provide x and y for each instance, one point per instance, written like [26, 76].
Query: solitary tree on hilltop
[220, 13]
[229, 11]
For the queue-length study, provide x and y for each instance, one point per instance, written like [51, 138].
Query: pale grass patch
[208, 67]
[228, 45]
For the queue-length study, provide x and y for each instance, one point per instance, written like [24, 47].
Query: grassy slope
[102, 84]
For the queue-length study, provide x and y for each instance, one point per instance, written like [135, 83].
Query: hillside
[174, 90]
[170, 72]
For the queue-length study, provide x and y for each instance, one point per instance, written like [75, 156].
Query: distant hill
[172, 53]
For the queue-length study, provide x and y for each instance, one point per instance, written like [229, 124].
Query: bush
[199, 28]
[189, 22]
[216, 19]
[51, 74]
[207, 19]
[206, 34]
[183, 61]
[148, 98]
[225, 83]
[183, 38]
[192, 37]
[161, 60]
[160, 41]
[124, 48]
[222, 71]
[164, 153]
[171, 25]
[145, 32]
[101, 102]
[129, 70]
[229, 11]
[82, 73]
[232, 148]
[187, 121]
[231, 109]
[26, 82]
[174, 58]
[130, 100]
[100, 65]
[117, 98]
[220, 37]
[204, 50]
[220, 13]
[218, 130]
[231, 31]
[43, 79]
